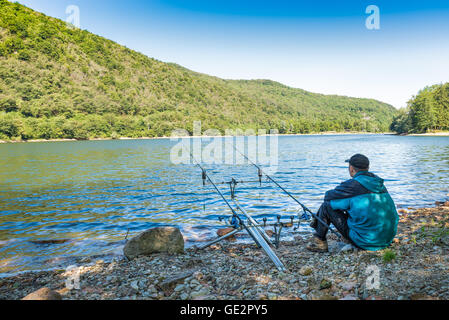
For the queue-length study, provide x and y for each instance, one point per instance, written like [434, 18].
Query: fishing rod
[257, 234]
[304, 208]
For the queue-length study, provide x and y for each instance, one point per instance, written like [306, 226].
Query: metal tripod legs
[259, 239]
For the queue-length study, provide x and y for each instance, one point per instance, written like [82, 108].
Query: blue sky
[320, 46]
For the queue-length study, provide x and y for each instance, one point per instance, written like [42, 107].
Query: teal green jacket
[373, 219]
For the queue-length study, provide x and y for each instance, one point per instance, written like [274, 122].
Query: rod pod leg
[208, 244]
[261, 241]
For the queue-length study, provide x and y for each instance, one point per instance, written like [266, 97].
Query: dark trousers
[330, 216]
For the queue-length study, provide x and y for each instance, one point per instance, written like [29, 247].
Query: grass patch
[388, 256]
[437, 232]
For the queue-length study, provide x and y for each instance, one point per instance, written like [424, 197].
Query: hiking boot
[317, 245]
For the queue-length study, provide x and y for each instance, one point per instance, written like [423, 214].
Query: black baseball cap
[359, 161]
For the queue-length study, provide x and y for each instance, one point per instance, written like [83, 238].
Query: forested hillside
[62, 82]
[427, 111]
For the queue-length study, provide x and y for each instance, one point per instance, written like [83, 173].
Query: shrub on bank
[10, 125]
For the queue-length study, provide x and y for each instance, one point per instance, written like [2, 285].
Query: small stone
[347, 286]
[135, 285]
[173, 281]
[272, 296]
[262, 296]
[184, 296]
[347, 248]
[305, 271]
[141, 283]
[198, 287]
[152, 289]
[43, 294]
[421, 296]
[64, 291]
[196, 294]
[324, 297]
[86, 260]
[180, 287]
[269, 233]
[194, 282]
[325, 284]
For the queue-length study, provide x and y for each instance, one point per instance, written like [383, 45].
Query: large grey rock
[157, 240]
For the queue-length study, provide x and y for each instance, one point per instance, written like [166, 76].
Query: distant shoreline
[328, 133]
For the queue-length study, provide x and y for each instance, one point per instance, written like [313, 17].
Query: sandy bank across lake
[430, 134]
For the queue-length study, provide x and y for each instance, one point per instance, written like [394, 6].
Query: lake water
[93, 192]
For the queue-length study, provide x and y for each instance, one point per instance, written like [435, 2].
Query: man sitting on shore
[361, 209]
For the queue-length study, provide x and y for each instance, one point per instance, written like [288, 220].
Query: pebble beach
[414, 267]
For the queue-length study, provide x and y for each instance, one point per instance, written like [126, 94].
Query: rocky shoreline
[415, 267]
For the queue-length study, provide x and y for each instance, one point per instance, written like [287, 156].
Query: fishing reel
[304, 217]
[278, 225]
[232, 222]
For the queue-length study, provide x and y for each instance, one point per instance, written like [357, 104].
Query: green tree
[10, 126]
[67, 82]
[428, 110]
[8, 105]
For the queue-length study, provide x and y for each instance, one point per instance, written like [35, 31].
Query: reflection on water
[91, 193]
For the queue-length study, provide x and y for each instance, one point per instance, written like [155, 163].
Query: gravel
[235, 271]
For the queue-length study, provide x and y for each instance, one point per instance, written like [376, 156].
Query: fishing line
[304, 208]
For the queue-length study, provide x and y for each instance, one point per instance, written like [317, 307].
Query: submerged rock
[223, 232]
[157, 240]
[56, 241]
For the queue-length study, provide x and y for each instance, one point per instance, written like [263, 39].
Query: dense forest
[57, 81]
[428, 111]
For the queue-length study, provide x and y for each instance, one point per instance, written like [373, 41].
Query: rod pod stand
[257, 234]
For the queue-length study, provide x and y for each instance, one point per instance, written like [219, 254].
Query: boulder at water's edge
[156, 240]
